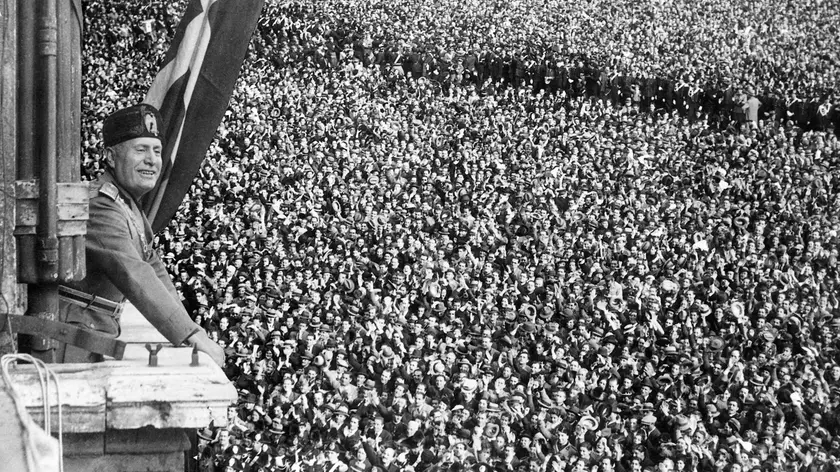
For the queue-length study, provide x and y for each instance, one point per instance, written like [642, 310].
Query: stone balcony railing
[127, 416]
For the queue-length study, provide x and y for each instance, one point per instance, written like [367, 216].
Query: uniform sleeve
[146, 284]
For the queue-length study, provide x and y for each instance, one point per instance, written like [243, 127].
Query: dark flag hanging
[192, 91]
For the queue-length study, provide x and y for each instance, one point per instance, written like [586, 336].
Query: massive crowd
[545, 236]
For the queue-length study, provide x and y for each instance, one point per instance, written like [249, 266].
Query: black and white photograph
[420, 235]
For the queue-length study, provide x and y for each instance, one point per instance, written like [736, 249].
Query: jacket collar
[108, 177]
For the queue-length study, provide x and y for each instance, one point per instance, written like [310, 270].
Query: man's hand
[203, 343]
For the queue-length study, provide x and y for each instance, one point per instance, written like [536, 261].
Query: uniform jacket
[121, 263]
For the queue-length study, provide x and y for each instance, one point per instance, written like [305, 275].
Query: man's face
[460, 449]
[136, 164]
[224, 438]
[562, 438]
[733, 407]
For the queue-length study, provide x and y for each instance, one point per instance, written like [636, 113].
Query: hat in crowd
[669, 286]
[617, 304]
[683, 423]
[518, 397]
[138, 121]
[769, 335]
[716, 343]
[737, 309]
[530, 311]
[815, 444]
[795, 323]
[603, 410]
[649, 419]
[469, 386]
[206, 434]
[387, 352]
[528, 327]
[547, 313]
[588, 422]
[276, 426]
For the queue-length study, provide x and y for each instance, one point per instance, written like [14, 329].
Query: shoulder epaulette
[110, 190]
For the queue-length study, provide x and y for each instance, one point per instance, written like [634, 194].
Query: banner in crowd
[192, 91]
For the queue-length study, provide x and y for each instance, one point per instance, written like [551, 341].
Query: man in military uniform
[121, 262]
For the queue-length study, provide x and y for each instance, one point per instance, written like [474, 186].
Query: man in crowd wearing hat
[121, 262]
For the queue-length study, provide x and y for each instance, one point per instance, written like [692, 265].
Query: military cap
[138, 121]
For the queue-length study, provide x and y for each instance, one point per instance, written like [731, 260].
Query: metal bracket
[153, 354]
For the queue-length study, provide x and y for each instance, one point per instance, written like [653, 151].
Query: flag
[192, 91]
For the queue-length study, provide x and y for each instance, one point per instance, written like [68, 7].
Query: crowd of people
[418, 258]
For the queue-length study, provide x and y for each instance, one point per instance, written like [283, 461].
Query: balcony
[125, 415]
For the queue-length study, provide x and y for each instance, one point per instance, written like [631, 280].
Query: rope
[44, 374]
